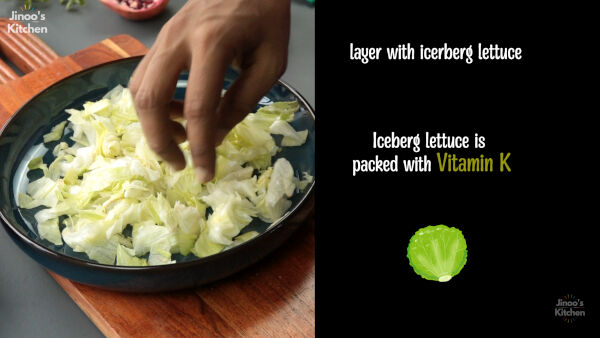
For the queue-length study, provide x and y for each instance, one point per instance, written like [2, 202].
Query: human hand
[205, 37]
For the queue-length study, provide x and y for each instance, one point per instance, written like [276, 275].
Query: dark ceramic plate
[21, 139]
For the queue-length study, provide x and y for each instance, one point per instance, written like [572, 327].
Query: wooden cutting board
[275, 297]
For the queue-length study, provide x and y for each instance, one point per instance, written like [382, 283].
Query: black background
[528, 232]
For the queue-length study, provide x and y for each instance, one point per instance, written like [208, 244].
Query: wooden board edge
[90, 311]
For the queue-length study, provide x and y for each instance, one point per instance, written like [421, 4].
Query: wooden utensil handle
[24, 50]
[6, 73]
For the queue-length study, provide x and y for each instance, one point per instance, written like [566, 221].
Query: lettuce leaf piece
[204, 247]
[101, 107]
[160, 253]
[284, 110]
[281, 183]
[38, 163]
[44, 192]
[50, 231]
[273, 203]
[221, 192]
[185, 187]
[114, 95]
[89, 236]
[245, 144]
[245, 237]
[165, 213]
[145, 234]
[305, 181]
[84, 132]
[126, 257]
[47, 222]
[229, 217]
[190, 222]
[185, 242]
[132, 134]
[27, 202]
[59, 149]
[124, 212]
[155, 239]
[437, 252]
[291, 137]
[137, 189]
[111, 145]
[55, 133]
[265, 116]
[123, 112]
[224, 166]
[271, 213]
[83, 159]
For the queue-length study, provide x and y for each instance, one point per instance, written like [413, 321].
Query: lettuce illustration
[437, 252]
[109, 196]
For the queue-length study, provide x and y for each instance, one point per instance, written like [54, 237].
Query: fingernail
[202, 174]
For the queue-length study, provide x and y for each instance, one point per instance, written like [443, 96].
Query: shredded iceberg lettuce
[291, 137]
[127, 257]
[109, 196]
[56, 133]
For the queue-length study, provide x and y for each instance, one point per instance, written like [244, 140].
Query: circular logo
[569, 308]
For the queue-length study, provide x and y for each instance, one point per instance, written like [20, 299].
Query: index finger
[205, 82]
[153, 100]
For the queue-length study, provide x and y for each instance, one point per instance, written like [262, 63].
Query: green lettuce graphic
[437, 252]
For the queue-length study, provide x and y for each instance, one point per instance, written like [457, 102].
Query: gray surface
[31, 302]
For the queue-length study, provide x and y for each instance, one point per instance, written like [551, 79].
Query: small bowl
[136, 14]
[21, 138]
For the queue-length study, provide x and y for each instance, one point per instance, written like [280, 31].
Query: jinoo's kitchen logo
[569, 308]
[30, 18]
